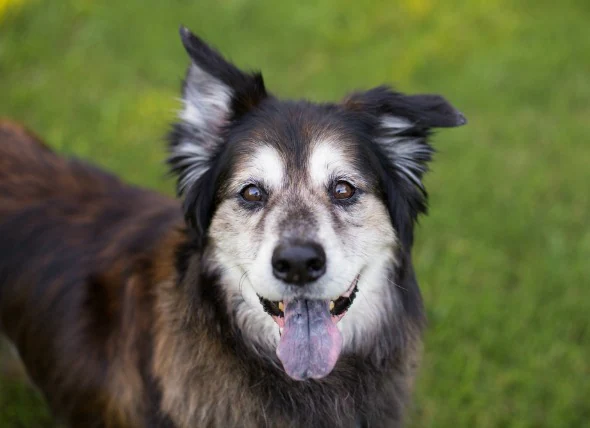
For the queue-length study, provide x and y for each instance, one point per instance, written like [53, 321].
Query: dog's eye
[343, 190]
[252, 193]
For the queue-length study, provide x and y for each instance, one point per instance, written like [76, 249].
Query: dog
[277, 291]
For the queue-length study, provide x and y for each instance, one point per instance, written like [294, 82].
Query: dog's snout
[299, 263]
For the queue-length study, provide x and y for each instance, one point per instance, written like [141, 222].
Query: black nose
[299, 263]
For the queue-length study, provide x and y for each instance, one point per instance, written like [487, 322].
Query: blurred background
[503, 258]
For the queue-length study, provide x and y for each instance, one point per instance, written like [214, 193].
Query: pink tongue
[310, 343]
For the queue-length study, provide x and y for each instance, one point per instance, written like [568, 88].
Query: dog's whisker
[395, 284]
[244, 276]
[230, 267]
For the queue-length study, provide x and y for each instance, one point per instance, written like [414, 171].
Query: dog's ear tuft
[215, 94]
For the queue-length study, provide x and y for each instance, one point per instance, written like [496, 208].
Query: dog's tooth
[331, 304]
[281, 306]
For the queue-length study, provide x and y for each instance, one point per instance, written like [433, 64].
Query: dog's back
[79, 252]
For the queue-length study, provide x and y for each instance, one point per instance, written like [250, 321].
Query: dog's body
[126, 315]
[80, 255]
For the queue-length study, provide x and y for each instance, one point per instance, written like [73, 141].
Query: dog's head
[305, 209]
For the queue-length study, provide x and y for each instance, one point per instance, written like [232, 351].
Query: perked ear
[404, 123]
[215, 93]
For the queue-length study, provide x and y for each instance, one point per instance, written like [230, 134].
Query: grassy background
[503, 258]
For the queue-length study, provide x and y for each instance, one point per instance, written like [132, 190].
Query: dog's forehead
[324, 159]
[296, 144]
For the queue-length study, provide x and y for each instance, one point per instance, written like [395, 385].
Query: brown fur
[79, 257]
[91, 295]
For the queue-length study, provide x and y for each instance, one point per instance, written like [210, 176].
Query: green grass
[503, 258]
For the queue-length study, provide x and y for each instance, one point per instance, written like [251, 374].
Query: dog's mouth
[338, 307]
[310, 342]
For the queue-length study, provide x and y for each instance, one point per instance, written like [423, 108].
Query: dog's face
[303, 208]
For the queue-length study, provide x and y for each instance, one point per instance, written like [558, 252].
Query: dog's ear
[401, 125]
[215, 94]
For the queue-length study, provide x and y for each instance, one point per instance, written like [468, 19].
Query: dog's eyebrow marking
[266, 165]
[326, 161]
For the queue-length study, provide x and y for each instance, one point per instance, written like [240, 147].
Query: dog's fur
[130, 310]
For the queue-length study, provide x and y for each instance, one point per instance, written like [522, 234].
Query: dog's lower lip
[338, 306]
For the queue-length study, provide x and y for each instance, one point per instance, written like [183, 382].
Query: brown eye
[252, 193]
[343, 190]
